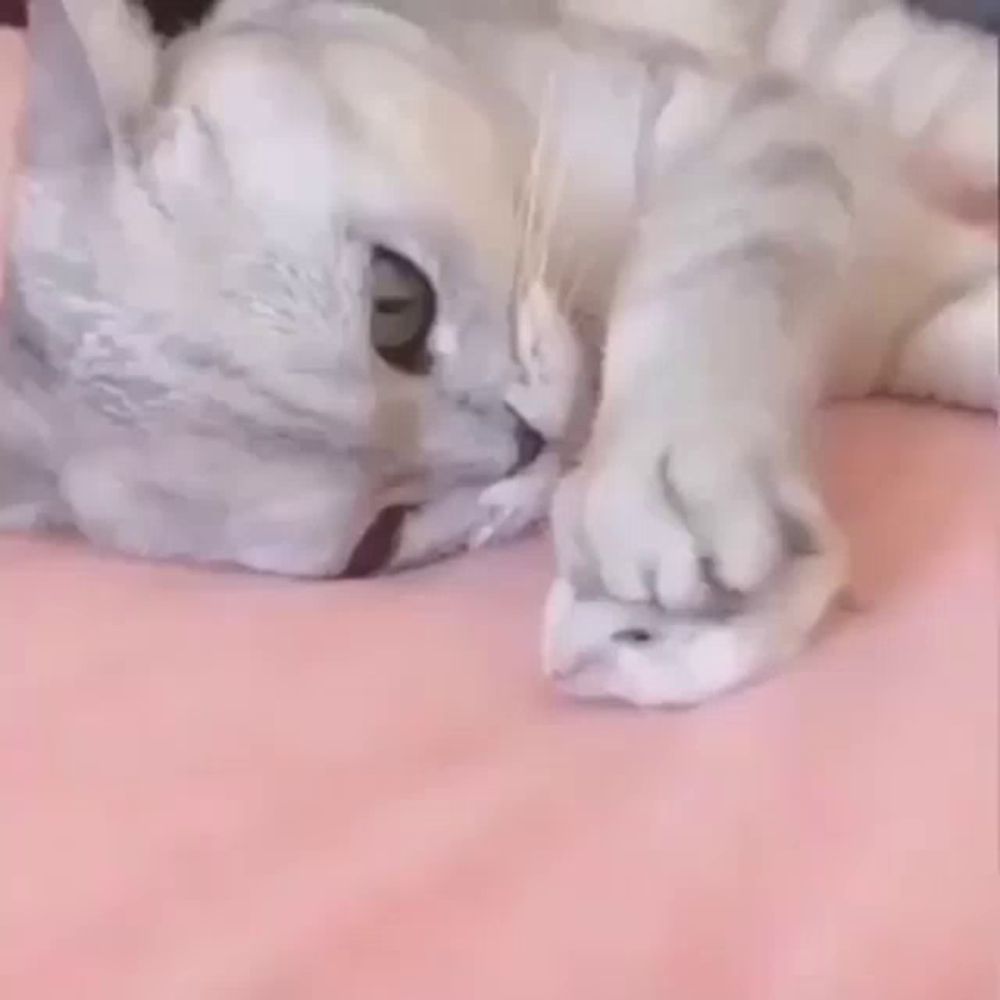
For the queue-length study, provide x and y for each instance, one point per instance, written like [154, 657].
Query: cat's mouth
[380, 543]
[530, 444]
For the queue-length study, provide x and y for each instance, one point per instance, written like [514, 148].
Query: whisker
[527, 270]
[555, 190]
[520, 223]
[539, 211]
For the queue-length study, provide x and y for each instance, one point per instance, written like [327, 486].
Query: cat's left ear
[67, 119]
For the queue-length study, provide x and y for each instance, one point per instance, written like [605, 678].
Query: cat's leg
[948, 348]
[947, 351]
[921, 320]
[951, 355]
[694, 552]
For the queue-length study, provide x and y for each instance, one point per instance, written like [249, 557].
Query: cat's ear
[68, 121]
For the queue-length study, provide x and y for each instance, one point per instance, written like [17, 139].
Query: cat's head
[275, 289]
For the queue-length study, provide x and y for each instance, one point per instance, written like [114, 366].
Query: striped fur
[928, 82]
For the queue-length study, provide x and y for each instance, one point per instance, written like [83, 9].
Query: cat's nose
[530, 444]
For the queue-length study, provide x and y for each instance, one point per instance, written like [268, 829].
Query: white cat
[299, 294]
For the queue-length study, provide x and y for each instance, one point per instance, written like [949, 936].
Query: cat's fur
[190, 373]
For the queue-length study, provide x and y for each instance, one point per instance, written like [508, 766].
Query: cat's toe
[638, 655]
[596, 647]
[689, 529]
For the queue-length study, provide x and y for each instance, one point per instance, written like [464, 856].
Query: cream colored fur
[743, 241]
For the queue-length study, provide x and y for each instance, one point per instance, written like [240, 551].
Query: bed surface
[227, 787]
[222, 787]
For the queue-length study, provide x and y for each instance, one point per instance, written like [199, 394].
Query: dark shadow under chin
[378, 545]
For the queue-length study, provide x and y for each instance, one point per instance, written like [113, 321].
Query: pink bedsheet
[221, 787]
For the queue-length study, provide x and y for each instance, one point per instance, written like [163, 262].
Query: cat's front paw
[641, 655]
[685, 570]
[690, 526]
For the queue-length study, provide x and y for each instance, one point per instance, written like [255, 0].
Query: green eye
[404, 307]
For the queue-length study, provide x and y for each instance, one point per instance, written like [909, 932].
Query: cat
[317, 291]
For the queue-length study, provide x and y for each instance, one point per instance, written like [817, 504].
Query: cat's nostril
[530, 444]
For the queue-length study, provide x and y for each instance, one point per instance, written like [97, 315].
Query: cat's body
[592, 98]
[200, 366]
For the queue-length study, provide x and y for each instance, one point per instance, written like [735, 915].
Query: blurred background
[172, 16]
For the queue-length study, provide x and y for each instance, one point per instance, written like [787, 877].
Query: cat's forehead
[335, 123]
[260, 118]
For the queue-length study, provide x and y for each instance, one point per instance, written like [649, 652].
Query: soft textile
[222, 787]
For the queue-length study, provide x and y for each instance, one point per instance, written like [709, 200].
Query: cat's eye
[404, 307]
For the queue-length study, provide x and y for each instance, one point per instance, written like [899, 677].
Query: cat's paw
[685, 569]
[639, 654]
[690, 526]
[512, 506]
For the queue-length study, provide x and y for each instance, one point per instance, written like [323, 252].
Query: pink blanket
[221, 787]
